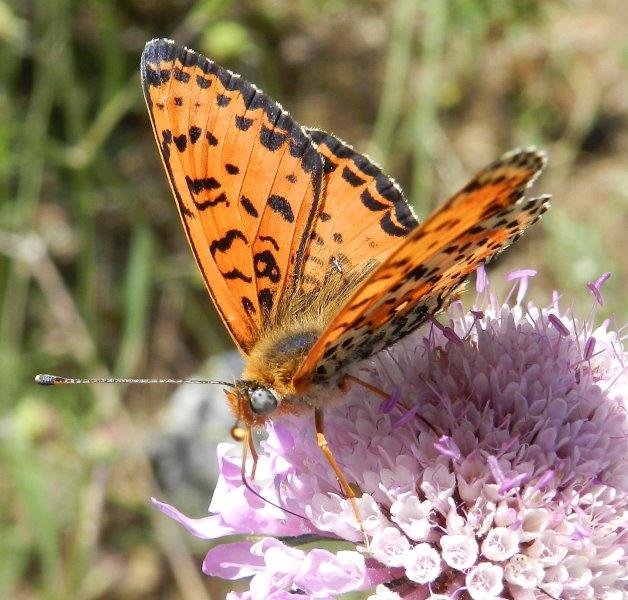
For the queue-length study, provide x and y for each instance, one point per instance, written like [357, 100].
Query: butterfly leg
[342, 480]
[347, 380]
[253, 450]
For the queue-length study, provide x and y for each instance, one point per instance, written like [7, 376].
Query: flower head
[497, 468]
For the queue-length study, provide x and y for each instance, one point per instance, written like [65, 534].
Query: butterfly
[311, 254]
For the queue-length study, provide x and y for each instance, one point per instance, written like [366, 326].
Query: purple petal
[478, 314]
[325, 573]
[280, 559]
[558, 324]
[206, 528]
[245, 512]
[520, 274]
[280, 438]
[233, 561]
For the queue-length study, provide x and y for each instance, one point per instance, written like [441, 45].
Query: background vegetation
[96, 278]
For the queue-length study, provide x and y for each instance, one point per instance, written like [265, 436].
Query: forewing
[419, 278]
[245, 176]
[362, 216]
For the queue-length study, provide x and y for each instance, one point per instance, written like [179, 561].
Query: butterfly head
[252, 403]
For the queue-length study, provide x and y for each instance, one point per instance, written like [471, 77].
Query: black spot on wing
[150, 77]
[271, 239]
[292, 178]
[389, 191]
[242, 122]
[195, 133]
[366, 166]
[237, 274]
[205, 204]
[391, 228]
[166, 137]
[369, 201]
[265, 265]
[271, 138]
[232, 169]
[196, 186]
[203, 82]
[181, 76]
[249, 307]
[178, 101]
[180, 141]
[211, 139]
[224, 243]
[222, 100]
[330, 166]
[317, 239]
[351, 178]
[248, 206]
[183, 208]
[281, 205]
[418, 272]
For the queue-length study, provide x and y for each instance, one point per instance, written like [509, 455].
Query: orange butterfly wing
[434, 260]
[245, 176]
[362, 216]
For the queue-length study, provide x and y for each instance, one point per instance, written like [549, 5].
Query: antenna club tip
[46, 379]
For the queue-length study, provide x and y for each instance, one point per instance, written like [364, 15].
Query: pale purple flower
[496, 470]
[422, 564]
[459, 551]
[485, 581]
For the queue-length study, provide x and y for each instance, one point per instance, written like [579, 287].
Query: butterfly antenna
[46, 379]
[247, 444]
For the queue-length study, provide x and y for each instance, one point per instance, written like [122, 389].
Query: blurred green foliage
[95, 276]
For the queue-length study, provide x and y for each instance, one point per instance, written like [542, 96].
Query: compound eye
[263, 401]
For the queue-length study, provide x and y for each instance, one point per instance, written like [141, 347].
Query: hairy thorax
[282, 347]
[275, 359]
